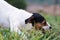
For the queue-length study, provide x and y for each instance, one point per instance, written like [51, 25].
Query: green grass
[53, 34]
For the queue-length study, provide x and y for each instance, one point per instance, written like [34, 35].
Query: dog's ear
[33, 23]
[30, 20]
[26, 21]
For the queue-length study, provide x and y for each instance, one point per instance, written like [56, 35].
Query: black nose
[50, 27]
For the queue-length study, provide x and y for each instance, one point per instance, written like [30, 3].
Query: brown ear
[29, 20]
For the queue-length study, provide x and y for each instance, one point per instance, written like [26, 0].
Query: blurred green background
[21, 4]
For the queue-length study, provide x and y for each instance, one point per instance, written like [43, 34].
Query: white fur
[12, 17]
[46, 27]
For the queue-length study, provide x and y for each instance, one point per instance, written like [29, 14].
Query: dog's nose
[50, 27]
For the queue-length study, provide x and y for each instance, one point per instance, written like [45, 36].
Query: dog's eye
[44, 23]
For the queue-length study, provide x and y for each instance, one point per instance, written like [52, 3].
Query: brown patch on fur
[38, 26]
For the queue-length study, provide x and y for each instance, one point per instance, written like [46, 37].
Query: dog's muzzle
[47, 27]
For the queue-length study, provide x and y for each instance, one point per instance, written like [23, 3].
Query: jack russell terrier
[11, 17]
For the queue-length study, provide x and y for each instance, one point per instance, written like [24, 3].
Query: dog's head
[38, 21]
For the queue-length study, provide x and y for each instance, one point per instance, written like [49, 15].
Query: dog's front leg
[14, 25]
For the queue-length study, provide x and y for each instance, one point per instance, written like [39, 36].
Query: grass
[53, 34]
